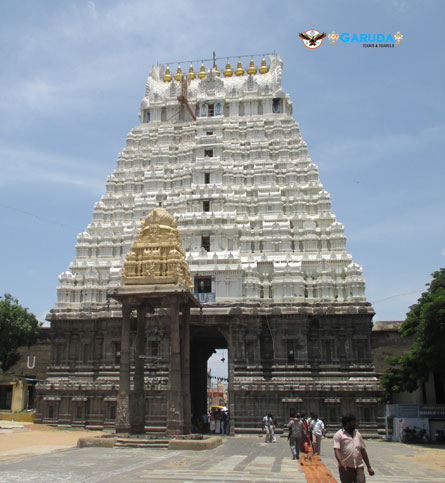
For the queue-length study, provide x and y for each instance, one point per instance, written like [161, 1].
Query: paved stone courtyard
[240, 459]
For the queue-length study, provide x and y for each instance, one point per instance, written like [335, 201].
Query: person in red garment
[305, 441]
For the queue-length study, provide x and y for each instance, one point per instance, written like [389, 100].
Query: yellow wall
[20, 417]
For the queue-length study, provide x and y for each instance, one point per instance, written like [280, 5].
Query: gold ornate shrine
[157, 256]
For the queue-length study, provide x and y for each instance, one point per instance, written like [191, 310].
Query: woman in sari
[305, 438]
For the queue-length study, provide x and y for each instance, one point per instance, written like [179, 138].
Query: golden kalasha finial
[215, 68]
[228, 72]
[191, 75]
[178, 75]
[167, 75]
[239, 69]
[264, 69]
[202, 72]
[251, 70]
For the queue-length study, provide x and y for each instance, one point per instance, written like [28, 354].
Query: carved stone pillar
[138, 407]
[231, 376]
[123, 400]
[185, 362]
[175, 414]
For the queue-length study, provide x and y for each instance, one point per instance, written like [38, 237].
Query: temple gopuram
[261, 259]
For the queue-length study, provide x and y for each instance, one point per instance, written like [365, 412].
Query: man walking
[350, 452]
[295, 427]
[317, 428]
[268, 423]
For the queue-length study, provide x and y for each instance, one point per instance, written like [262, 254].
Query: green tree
[426, 322]
[18, 327]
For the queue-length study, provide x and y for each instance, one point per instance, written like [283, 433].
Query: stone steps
[141, 443]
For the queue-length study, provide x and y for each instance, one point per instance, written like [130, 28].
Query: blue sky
[73, 74]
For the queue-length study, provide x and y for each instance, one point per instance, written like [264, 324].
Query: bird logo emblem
[312, 38]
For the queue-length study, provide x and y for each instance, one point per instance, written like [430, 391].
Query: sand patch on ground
[38, 439]
[429, 457]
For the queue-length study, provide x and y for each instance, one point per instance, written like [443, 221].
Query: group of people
[349, 447]
[215, 421]
[303, 433]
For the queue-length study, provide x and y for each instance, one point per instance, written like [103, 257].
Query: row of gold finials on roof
[228, 72]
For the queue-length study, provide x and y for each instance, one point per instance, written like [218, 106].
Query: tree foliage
[426, 322]
[18, 327]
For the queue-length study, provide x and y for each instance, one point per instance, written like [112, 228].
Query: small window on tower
[208, 153]
[210, 110]
[206, 178]
[209, 133]
[205, 242]
[291, 351]
[203, 285]
[276, 106]
[147, 116]
[206, 205]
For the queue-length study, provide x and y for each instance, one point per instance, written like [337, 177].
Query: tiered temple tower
[268, 259]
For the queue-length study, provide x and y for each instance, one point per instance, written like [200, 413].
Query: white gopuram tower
[223, 154]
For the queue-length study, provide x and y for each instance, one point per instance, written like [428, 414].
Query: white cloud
[443, 252]
[21, 165]
[401, 5]
[92, 10]
[414, 221]
[82, 53]
[374, 149]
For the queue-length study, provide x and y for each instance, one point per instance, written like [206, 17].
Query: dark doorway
[31, 396]
[203, 343]
[5, 397]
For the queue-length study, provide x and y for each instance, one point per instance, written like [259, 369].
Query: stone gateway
[267, 258]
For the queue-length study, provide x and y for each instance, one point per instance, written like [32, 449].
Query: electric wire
[37, 217]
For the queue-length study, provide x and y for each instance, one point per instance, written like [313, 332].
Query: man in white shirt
[269, 427]
[317, 428]
[350, 452]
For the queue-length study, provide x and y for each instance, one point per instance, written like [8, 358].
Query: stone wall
[34, 360]
[20, 379]
[278, 361]
[387, 342]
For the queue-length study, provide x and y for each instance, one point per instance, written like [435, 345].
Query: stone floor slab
[238, 460]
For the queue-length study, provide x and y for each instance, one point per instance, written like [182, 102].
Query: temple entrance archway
[204, 340]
